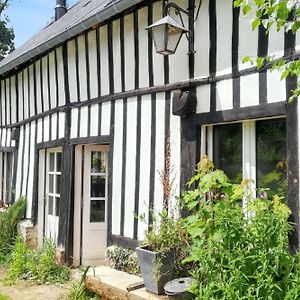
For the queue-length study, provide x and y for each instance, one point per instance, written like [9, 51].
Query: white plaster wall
[224, 97]
[202, 41]
[13, 100]
[72, 71]
[84, 121]
[95, 119]
[249, 90]
[143, 48]
[276, 43]
[145, 166]
[203, 98]
[105, 118]
[130, 167]
[60, 76]
[74, 122]
[93, 63]
[104, 61]
[82, 68]
[224, 36]
[117, 162]
[38, 85]
[52, 79]
[275, 87]
[117, 56]
[45, 84]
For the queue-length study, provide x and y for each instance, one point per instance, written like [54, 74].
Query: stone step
[111, 285]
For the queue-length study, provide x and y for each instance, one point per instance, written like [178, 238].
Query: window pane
[50, 205]
[271, 156]
[98, 164]
[58, 161]
[97, 213]
[57, 206]
[51, 180]
[58, 180]
[97, 186]
[228, 150]
[51, 159]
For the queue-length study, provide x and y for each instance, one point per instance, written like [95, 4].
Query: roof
[81, 16]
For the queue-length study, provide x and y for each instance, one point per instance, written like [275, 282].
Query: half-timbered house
[87, 107]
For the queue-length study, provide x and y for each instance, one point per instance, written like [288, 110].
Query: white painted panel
[158, 59]
[38, 86]
[72, 71]
[145, 152]
[20, 164]
[202, 41]
[159, 150]
[82, 68]
[8, 138]
[25, 87]
[46, 128]
[249, 90]
[84, 121]
[298, 41]
[129, 52]
[3, 139]
[224, 94]
[39, 131]
[104, 61]
[130, 166]
[2, 102]
[20, 100]
[52, 79]
[275, 87]
[53, 126]
[8, 105]
[61, 131]
[31, 171]
[94, 119]
[117, 162]
[13, 143]
[203, 98]
[105, 118]
[74, 122]
[25, 161]
[224, 36]
[31, 94]
[60, 76]
[41, 195]
[45, 84]
[248, 40]
[175, 144]
[13, 100]
[143, 48]
[117, 56]
[276, 43]
[93, 63]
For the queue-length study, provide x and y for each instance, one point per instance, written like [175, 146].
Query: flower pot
[156, 269]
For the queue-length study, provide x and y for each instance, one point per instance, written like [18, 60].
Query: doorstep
[111, 285]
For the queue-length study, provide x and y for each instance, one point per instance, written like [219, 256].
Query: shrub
[123, 259]
[9, 220]
[39, 265]
[240, 250]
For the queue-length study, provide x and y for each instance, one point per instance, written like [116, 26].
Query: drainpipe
[60, 9]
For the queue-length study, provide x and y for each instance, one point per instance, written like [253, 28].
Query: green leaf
[246, 9]
[255, 23]
[284, 74]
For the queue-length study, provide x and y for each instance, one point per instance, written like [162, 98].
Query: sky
[27, 17]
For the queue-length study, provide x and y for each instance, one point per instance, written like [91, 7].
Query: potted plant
[157, 253]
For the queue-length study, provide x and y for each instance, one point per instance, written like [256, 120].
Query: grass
[4, 297]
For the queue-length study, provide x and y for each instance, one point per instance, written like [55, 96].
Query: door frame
[78, 199]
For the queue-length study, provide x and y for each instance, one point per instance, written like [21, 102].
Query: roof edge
[106, 13]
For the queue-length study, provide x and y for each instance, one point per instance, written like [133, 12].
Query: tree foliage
[6, 33]
[284, 15]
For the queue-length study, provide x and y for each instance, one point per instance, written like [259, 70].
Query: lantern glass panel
[159, 37]
[174, 35]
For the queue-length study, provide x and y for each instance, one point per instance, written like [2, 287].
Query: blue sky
[27, 17]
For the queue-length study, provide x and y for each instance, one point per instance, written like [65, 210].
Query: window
[250, 149]
[54, 181]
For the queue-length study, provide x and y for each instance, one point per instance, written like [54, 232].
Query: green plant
[79, 291]
[4, 297]
[9, 220]
[239, 248]
[123, 259]
[39, 265]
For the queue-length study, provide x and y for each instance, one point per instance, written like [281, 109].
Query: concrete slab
[111, 285]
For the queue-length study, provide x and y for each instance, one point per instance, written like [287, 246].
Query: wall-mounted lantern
[167, 32]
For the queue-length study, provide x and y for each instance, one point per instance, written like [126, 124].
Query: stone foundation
[28, 232]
